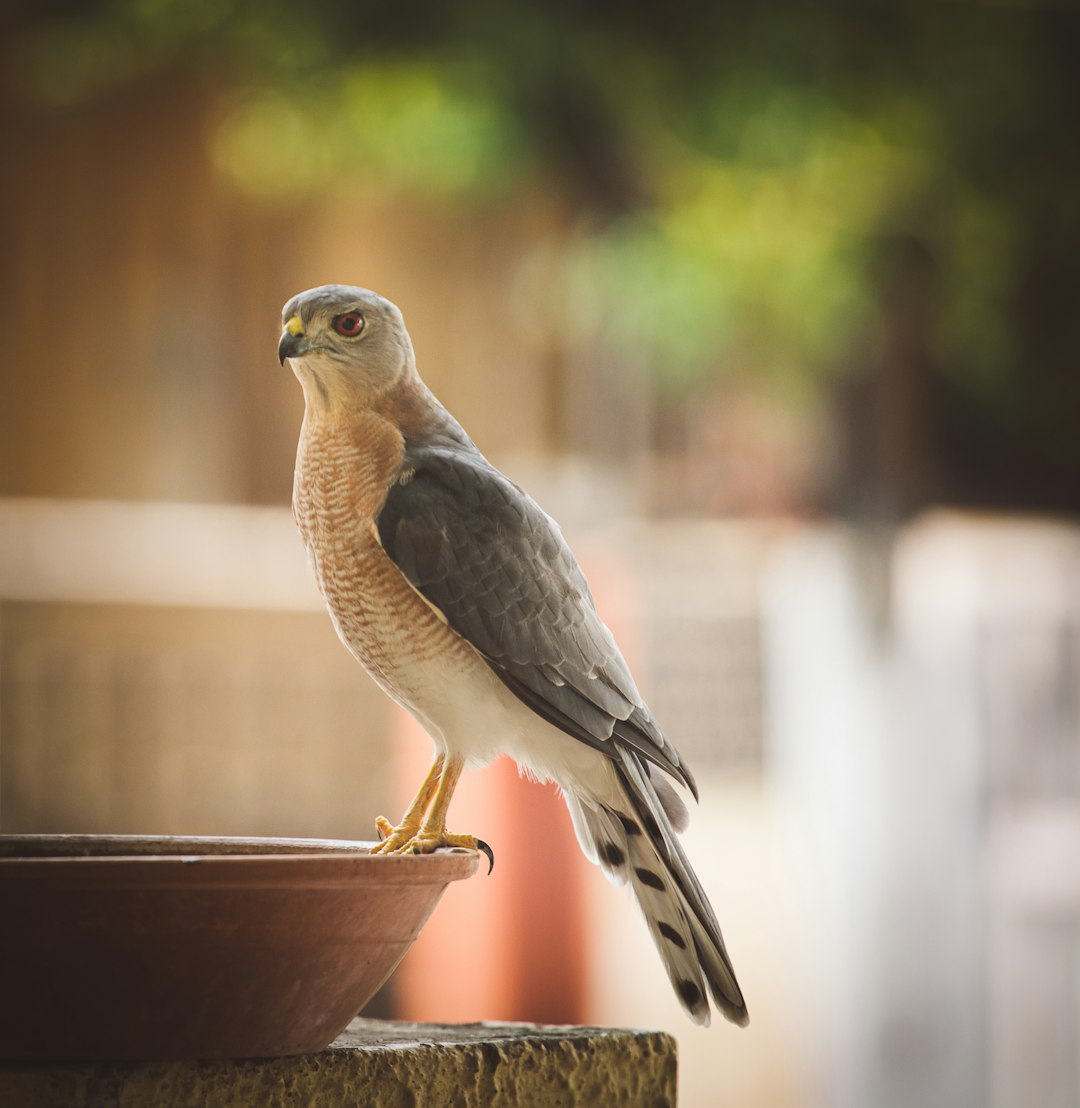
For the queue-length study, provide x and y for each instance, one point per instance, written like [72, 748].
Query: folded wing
[496, 565]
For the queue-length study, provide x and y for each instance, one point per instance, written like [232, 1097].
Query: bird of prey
[463, 601]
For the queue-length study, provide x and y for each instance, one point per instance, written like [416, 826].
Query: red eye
[350, 324]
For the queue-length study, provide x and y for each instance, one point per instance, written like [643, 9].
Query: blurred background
[775, 309]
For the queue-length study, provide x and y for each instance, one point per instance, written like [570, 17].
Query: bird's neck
[378, 429]
[415, 410]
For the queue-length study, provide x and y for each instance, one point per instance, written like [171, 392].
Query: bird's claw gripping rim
[485, 849]
[405, 840]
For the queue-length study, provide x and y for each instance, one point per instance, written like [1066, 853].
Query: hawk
[461, 598]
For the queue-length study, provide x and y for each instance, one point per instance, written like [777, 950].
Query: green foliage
[398, 126]
[753, 258]
[738, 169]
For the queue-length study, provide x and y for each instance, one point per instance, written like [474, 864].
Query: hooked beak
[293, 343]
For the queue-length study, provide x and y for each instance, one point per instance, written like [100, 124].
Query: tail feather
[636, 844]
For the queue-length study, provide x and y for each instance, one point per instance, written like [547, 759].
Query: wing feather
[496, 565]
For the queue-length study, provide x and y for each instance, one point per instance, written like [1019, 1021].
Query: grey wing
[496, 565]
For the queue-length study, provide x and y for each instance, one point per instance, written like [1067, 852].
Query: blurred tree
[879, 194]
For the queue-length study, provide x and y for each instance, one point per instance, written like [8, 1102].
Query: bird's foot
[421, 840]
[387, 831]
[394, 840]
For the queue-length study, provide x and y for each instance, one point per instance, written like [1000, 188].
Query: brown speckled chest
[344, 467]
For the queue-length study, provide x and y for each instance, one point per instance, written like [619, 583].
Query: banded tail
[637, 843]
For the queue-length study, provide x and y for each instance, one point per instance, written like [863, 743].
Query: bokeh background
[775, 308]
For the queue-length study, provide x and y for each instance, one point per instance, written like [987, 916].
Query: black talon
[483, 846]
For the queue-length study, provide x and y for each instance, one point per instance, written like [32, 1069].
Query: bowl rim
[228, 854]
[80, 845]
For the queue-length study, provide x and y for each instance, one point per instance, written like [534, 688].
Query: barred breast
[344, 468]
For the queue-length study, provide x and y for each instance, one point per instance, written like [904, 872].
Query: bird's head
[344, 344]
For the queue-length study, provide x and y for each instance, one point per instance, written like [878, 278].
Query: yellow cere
[294, 326]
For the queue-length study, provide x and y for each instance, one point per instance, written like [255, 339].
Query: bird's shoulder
[447, 493]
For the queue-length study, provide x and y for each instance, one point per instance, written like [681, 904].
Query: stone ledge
[382, 1065]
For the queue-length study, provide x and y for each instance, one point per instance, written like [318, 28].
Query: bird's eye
[350, 324]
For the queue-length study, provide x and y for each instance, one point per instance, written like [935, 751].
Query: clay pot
[117, 947]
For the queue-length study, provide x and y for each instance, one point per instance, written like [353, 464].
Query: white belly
[442, 680]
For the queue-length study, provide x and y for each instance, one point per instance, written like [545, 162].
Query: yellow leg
[412, 836]
[393, 838]
[434, 826]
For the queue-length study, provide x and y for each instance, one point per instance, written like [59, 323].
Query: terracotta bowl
[117, 947]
